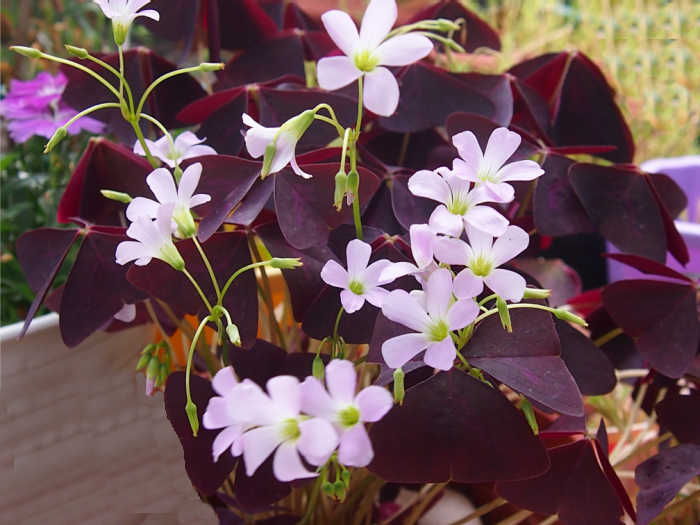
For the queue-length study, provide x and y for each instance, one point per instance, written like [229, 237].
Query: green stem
[238, 272]
[116, 74]
[514, 306]
[337, 324]
[160, 79]
[90, 110]
[311, 507]
[327, 120]
[190, 355]
[84, 69]
[161, 127]
[462, 359]
[209, 269]
[267, 295]
[488, 298]
[139, 134]
[359, 107]
[197, 287]
[121, 80]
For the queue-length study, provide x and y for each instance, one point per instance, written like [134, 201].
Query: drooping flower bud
[152, 374]
[57, 137]
[536, 293]
[191, 410]
[353, 185]
[566, 315]
[318, 368]
[341, 187]
[399, 391]
[211, 66]
[28, 52]
[285, 263]
[233, 334]
[116, 196]
[79, 52]
[504, 314]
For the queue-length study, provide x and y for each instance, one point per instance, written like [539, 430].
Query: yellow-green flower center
[480, 266]
[356, 287]
[349, 416]
[458, 206]
[438, 331]
[290, 429]
[365, 61]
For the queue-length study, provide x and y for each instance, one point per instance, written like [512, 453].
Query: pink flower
[122, 13]
[490, 168]
[433, 315]
[273, 423]
[459, 205]
[367, 52]
[181, 197]
[187, 145]
[345, 410]
[221, 413]
[482, 258]
[422, 245]
[359, 282]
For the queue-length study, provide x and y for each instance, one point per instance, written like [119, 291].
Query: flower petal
[315, 400]
[381, 92]
[441, 355]
[371, 276]
[403, 50]
[507, 284]
[487, 219]
[186, 140]
[467, 285]
[357, 253]
[225, 439]
[462, 313]
[396, 270]
[428, 184]
[336, 72]
[285, 393]
[126, 313]
[149, 13]
[142, 207]
[399, 306]
[199, 199]
[468, 148]
[452, 251]
[374, 402]
[351, 301]
[334, 274]
[376, 296]
[341, 380]
[399, 350]
[520, 170]
[162, 185]
[422, 239]
[501, 145]
[296, 169]
[317, 441]
[500, 191]
[188, 182]
[355, 448]
[287, 465]
[513, 242]
[342, 30]
[284, 152]
[258, 444]
[199, 151]
[442, 221]
[128, 251]
[480, 241]
[224, 381]
[217, 414]
[377, 21]
[438, 293]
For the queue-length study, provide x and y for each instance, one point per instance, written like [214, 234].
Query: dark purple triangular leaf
[591, 368]
[678, 414]
[103, 166]
[227, 252]
[662, 476]
[415, 151]
[177, 19]
[408, 209]
[41, 253]
[674, 240]
[661, 317]
[448, 428]
[305, 206]
[670, 193]
[621, 205]
[244, 24]
[204, 474]
[647, 266]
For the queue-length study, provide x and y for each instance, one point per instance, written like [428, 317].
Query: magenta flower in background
[359, 282]
[345, 410]
[367, 52]
[433, 314]
[34, 107]
[489, 168]
[482, 258]
[459, 206]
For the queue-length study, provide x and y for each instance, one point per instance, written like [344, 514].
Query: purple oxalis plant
[394, 202]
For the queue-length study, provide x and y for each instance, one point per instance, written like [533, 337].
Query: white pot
[79, 440]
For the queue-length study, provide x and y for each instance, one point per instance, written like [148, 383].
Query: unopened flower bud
[162, 374]
[211, 66]
[152, 373]
[339, 490]
[116, 196]
[286, 263]
[399, 391]
[79, 52]
[318, 368]
[445, 26]
[327, 488]
[143, 361]
[345, 476]
[353, 185]
[57, 137]
[191, 410]
[565, 315]
[233, 334]
[29, 52]
[504, 314]
[536, 293]
[341, 186]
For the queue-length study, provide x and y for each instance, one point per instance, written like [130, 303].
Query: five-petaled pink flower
[346, 410]
[185, 146]
[482, 258]
[433, 314]
[221, 414]
[489, 168]
[367, 52]
[460, 203]
[359, 282]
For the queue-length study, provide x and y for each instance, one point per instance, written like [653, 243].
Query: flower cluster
[34, 107]
[294, 418]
